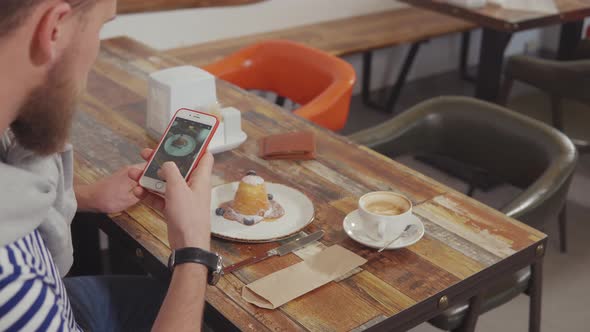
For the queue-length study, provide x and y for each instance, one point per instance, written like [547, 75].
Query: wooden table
[466, 248]
[498, 26]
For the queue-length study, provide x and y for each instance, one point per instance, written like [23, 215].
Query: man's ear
[49, 38]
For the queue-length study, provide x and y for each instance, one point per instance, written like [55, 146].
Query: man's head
[49, 47]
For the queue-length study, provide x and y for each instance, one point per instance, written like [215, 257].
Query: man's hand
[186, 205]
[187, 210]
[112, 194]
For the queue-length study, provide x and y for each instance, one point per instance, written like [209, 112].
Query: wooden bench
[360, 34]
[138, 6]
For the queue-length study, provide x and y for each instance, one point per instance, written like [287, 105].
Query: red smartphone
[184, 142]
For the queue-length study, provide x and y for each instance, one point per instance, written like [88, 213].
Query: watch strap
[195, 255]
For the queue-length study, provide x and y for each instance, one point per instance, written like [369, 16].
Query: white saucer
[354, 227]
[299, 213]
[216, 146]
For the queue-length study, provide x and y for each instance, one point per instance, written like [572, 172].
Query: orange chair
[318, 81]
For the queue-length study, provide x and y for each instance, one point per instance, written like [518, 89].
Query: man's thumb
[170, 173]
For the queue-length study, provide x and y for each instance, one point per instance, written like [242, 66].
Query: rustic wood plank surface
[465, 245]
[497, 17]
[339, 37]
[137, 6]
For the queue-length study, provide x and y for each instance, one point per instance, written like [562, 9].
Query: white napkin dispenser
[175, 88]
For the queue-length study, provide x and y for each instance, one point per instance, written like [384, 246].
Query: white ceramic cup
[385, 223]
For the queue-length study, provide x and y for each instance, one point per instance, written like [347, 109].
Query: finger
[155, 201]
[202, 174]
[135, 173]
[141, 165]
[146, 153]
[150, 199]
[140, 192]
[170, 173]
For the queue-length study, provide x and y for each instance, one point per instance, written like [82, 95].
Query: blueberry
[248, 222]
[219, 211]
[270, 197]
[251, 172]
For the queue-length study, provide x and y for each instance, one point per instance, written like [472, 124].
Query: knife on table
[279, 251]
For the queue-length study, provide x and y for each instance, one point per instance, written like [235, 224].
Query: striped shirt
[32, 295]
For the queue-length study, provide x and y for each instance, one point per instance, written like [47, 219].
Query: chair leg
[398, 85]
[505, 91]
[535, 296]
[401, 79]
[563, 229]
[569, 39]
[464, 59]
[472, 315]
[366, 83]
[557, 113]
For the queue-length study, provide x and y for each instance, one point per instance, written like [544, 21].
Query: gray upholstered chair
[560, 79]
[518, 149]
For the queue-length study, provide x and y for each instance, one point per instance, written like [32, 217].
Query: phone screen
[182, 145]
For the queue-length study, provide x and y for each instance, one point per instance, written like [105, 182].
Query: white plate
[299, 212]
[354, 227]
[218, 147]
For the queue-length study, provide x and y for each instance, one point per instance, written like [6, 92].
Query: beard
[45, 119]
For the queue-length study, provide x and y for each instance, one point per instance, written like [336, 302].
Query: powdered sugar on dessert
[253, 180]
[275, 211]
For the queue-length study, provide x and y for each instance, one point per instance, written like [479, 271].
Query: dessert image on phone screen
[182, 145]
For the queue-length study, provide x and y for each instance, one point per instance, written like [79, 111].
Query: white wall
[190, 26]
[172, 29]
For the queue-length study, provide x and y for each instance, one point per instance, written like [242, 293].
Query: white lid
[182, 74]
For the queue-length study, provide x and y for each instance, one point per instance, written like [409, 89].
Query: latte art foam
[385, 208]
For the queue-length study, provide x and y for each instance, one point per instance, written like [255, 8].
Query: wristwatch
[211, 260]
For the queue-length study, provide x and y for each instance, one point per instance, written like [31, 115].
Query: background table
[466, 248]
[136, 6]
[498, 26]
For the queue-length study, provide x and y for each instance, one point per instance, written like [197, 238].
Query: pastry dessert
[179, 142]
[252, 204]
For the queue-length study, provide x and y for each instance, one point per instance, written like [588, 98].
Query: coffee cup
[386, 214]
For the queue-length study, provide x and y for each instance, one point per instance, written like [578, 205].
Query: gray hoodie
[37, 192]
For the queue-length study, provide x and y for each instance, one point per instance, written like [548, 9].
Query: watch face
[215, 276]
[218, 272]
[171, 261]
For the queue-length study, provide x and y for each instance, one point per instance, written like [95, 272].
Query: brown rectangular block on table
[289, 146]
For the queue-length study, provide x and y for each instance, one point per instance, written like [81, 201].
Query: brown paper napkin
[287, 284]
